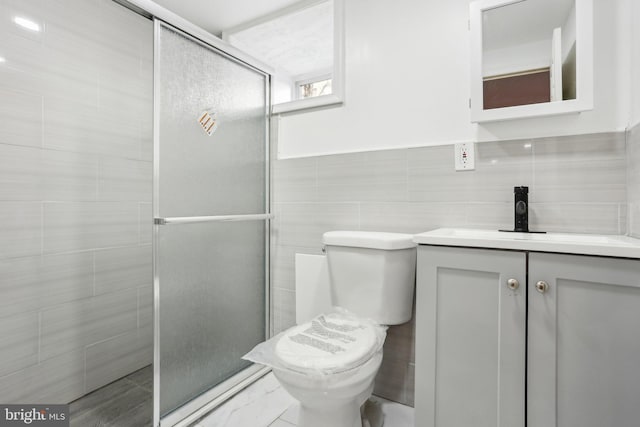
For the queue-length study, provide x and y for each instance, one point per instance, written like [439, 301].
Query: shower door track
[185, 416]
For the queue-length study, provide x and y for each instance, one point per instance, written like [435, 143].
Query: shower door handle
[215, 218]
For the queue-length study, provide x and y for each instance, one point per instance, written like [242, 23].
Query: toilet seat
[329, 343]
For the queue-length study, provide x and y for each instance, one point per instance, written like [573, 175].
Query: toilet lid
[329, 343]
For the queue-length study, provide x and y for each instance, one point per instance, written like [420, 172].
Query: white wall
[76, 173]
[635, 63]
[407, 83]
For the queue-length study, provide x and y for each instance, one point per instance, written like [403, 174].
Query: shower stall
[211, 233]
[134, 208]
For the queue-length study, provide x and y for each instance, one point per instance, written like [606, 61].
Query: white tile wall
[576, 184]
[122, 268]
[72, 125]
[75, 192]
[68, 176]
[20, 177]
[77, 324]
[20, 116]
[77, 226]
[112, 358]
[124, 179]
[373, 176]
[145, 223]
[56, 380]
[20, 229]
[633, 181]
[33, 283]
[19, 346]
[145, 308]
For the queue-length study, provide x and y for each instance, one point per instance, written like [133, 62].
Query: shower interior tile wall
[75, 198]
[576, 184]
[633, 177]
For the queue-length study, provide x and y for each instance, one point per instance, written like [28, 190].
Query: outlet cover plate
[465, 156]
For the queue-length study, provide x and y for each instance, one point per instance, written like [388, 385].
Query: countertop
[582, 244]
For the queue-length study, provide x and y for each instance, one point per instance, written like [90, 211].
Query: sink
[469, 233]
[584, 244]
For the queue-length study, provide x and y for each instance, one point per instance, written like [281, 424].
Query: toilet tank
[372, 274]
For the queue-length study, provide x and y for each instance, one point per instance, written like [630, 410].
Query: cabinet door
[584, 342]
[470, 338]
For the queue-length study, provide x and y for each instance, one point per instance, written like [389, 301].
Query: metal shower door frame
[199, 406]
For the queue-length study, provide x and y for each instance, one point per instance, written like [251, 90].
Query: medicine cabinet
[530, 58]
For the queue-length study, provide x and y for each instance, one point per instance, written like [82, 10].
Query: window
[311, 88]
[303, 45]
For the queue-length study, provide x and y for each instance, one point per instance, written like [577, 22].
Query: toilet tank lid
[369, 239]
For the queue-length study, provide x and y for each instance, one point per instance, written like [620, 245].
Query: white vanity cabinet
[508, 338]
[583, 362]
[470, 338]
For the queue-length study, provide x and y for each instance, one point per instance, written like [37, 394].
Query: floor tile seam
[283, 421]
[133, 410]
[138, 385]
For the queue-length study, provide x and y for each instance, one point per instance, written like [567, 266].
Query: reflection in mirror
[298, 43]
[529, 53]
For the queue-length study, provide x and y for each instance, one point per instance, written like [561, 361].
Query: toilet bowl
[333, 401]
[332, 376]
[329, 363]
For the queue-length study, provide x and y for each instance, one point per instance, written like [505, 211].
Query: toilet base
[345, 416]
[335, 414]
[335, 402]
[372, 414]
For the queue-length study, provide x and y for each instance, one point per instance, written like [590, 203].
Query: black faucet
[521, 209]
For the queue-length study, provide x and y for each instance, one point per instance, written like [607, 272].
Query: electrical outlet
[465, 156]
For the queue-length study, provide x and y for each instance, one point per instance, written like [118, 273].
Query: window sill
[305, 104]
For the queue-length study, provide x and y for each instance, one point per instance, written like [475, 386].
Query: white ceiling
[217, 15]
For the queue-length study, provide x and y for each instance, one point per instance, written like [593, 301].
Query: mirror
[300, 43]
[530, 58]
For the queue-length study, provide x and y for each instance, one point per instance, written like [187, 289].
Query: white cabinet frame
[584, 68]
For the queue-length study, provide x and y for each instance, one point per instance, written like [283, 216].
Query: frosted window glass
[200, 174]
[212, 304]
[211, 275]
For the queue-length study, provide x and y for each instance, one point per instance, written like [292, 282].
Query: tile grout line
[136, 385]
[98, 173]
[84, 376]
[42, 205]
[280, 415]
[39, 336]
[139, 223]
[94, 272]
[138, 308]
[42, 129]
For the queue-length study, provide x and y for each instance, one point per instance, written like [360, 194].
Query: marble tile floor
[266, 404]
[127, 402]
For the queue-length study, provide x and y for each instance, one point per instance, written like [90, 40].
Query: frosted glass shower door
[211, 222]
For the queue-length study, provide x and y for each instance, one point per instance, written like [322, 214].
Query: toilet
[329, 363]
